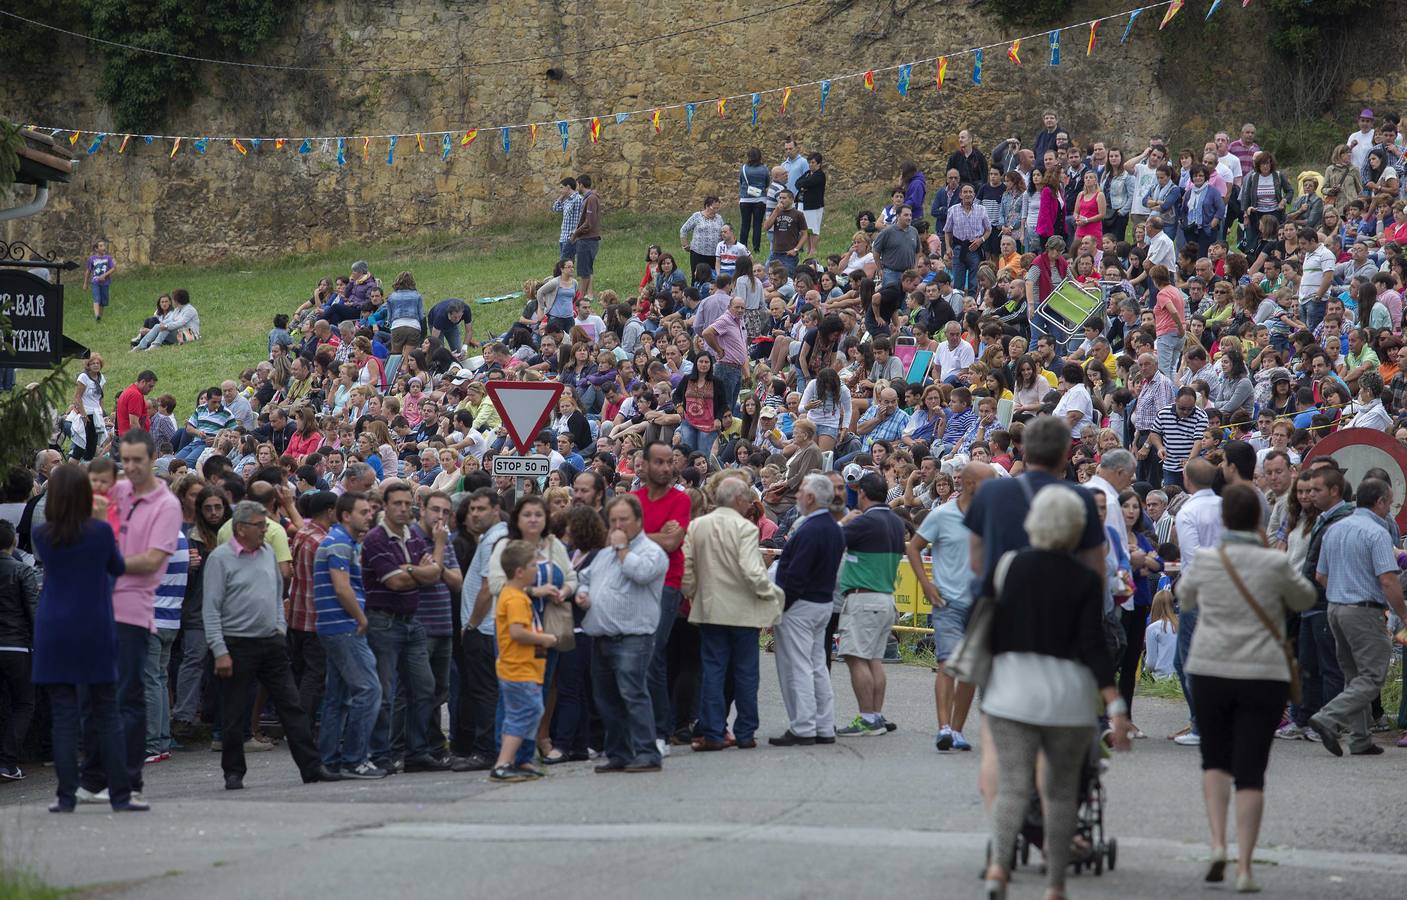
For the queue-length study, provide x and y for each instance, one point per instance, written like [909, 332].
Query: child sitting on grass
[522, 661]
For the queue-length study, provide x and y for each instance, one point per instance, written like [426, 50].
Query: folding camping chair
[1066, 311]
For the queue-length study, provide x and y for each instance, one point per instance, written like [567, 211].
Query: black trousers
[262, 661]
[1236, 718]
[1133, 621]
[751, 216]
[19, 708]
[309, 664]
[478, 695]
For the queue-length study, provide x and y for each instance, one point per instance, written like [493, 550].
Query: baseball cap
[1366, 113]
[768, 412]
[852, 473]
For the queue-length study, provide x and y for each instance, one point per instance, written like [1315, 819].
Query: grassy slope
[237, 300]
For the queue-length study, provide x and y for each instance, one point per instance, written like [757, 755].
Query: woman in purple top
[98, 277]
[75, 637]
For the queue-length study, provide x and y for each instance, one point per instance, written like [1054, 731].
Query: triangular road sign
[524, 406]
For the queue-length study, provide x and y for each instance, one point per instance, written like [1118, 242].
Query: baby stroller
[1093, 852]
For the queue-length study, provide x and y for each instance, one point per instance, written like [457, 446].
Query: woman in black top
[811, 197]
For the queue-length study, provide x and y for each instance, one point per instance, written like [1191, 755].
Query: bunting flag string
[868, 77]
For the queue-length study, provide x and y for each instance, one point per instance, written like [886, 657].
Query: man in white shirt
[591, 323]
[1075, 405]
[728, 252]
[1371, 413]
[1361, 141]
[1144, 169]
[1316, 276]
[1225, 158]
[1161, 250]
[1198, 525]
[954, 354]
[1114, 475]
[793, 162]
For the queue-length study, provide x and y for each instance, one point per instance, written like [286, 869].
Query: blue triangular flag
[563, 131]
[391, 152]
[341, 151]
[305, 148]
[756, 102]
[621, 117]
[445, 146]
[148, 138]
[905, 73]
[505, 142]
[256, 141]
[97, 143]
[977, 66]
[1129, 27]
[1055, 48]
[688, 117]
[825, 93]
[200, 145]
[1212, 9]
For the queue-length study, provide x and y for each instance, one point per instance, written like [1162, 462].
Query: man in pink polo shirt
[150, 517]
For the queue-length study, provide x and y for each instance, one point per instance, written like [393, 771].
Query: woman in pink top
[1169, 320]
[1089, 209]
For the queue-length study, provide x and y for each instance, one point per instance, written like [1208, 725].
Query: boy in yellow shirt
[522, 661]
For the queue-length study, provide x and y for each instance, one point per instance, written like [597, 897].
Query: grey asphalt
[882, 816]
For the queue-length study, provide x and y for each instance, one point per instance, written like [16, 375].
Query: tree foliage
[10, 143]
[142, 88]
[1300, 29]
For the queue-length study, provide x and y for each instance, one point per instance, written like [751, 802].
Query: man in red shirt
[666, 517]
[132, 404]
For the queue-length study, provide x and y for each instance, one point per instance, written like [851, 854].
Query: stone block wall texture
[196, 208]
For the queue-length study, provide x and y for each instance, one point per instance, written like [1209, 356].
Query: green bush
[1306, 144]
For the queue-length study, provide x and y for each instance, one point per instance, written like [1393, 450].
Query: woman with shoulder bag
[1049, 663]
[753, 179]
[1241, 669]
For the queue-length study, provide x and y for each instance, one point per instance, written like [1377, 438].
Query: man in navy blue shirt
[807, 572]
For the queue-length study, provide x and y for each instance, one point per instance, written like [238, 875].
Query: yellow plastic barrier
[908, 596]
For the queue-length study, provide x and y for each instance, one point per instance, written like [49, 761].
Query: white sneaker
[663, 746]
[1190, 739]
[86, 796]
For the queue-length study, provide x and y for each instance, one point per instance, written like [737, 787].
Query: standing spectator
[727, 253]
[1242, 592]
[19, 603]
[1153, 393]
[353, 691]
[568, 203]
[811, 196]
[434, 613]
[806, 572]
[874, 545]
[727, 338]
[1169, 319]
[666, 513]
[753, 179]
[731, 600]
[521, 668]
[97, 277]
[405, 309]
[1316, 277]
[166, 608]
[700, 234]
[87, 408]
[131, 411]
[588, 233]
[620, 592]
[1176, 429]
[209, 512]
[1049, 660]
[787, 225]
[77, 653]
[969, 162]
[478, 642]
[793, 162]
[1198, 524]
[398, 563]
[967, 228]
[1358, 569]
[949, 592]
[244, 627]
[896, 247]
[305, 650]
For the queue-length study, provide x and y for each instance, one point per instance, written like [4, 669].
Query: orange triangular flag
[469, 137]
[1013, 52]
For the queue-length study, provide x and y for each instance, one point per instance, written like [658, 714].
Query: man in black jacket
[19, 599]
[277, 431]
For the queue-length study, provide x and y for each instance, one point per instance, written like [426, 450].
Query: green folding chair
[1067, 309]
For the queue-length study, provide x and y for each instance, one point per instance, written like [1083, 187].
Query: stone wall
[202, 207]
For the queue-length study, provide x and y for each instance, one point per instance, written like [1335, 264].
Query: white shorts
[813, 219]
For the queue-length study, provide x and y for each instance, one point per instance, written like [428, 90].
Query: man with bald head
[1153, 391]
[969, 162]
[949, 592]
[883, 421]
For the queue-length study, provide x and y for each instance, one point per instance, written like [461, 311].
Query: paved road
[869, 816]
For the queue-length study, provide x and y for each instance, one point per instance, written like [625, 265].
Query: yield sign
[524, 406]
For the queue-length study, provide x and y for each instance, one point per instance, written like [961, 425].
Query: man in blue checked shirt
[884, 421]
[568, 203]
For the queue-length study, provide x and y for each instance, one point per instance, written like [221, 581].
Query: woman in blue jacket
[753, 179]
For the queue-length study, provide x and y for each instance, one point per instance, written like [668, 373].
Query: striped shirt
[874, 545]
[1152, 398]
[210, 423]
[302, 612]
[434, 613]
[340, 553]
[967, 224]
[1179, 434]
[172, 590]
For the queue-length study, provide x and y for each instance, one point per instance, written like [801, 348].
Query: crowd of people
[755, 444]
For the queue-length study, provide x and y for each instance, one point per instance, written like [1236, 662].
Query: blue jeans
[132, 712]
[693, 439]
[787, 260]
[570, 726]
[1186, 625]
[500, 714]
[731, 377]
[156, 336]
[670, 599]
[523, 706]
[566, 250]
[1169, 347]
[965, 263]
[191, 452]
[1314, 311]
[620, 668]
[401, 654]
[349, 702]
[101, 292]
[157, 691]
[100, 716]
[725, 649]
[1319, 666]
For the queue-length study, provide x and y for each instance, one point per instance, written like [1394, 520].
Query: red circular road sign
[1357, 450]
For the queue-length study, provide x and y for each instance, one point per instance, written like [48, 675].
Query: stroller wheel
[1098, 862]
[1112, 851]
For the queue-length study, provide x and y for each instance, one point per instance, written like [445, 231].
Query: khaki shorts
[865, 623]
[405, 336]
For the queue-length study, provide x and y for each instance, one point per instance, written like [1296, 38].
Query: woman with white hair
[1049, 661]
